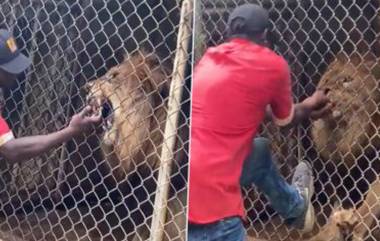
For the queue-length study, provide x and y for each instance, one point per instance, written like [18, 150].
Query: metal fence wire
[119, 55]
[331, 45]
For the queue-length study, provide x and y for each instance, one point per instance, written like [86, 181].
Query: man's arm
[282, 109]
[24, 148]
[28, 147]
[315, 107]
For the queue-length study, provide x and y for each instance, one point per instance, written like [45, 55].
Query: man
[12, 63]
[233, 84]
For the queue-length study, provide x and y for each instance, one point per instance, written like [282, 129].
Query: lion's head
[130, 97]
[352, 85]
[341, 224]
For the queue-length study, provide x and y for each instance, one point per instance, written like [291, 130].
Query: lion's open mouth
[105, 109]
[107, 112]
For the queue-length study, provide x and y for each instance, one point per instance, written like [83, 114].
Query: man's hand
[316, 106]
[317, 100]
[28, 147]
[319, 104]
[84, 120]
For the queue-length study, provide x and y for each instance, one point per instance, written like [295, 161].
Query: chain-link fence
[331, 45]
[121, 57]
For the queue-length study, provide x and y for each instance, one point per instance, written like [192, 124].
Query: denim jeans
[229, 229]
[260, 170]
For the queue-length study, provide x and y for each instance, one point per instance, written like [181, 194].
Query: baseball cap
[255, 18]
[11, 59]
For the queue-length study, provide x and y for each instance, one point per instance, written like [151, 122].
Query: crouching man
[233, 84]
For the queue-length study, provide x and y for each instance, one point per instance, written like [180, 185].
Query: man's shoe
[303, 181]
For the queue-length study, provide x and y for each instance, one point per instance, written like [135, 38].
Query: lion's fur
[343, 138]
[134, 88]
[137, 89]
[368, 212]
[349, 136]
[352, 86]
[340, 225]
[353, 222]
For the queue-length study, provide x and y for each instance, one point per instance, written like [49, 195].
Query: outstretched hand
[84, 120]
[319, 104]
[322, 112]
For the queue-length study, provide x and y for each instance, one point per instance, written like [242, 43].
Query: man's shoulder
[249, 53]
[277, 62]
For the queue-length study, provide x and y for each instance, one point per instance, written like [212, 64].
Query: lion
[368, 212]
[347, 139]
[352, 85]
[349, 135]
[131, 97]
[340, 226]
[353, 223]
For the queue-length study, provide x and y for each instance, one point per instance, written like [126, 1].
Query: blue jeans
[260, 170]
[229, 229]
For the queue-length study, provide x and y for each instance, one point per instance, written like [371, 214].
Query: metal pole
[174, 107]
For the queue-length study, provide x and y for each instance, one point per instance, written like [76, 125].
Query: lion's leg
[368, 211]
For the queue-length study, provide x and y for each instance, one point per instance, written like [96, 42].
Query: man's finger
[86, 111]
[322, 111]
[321, 105]
[324, 97]
[94, 119]
[323, 101]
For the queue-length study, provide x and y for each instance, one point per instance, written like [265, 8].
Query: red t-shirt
[5, 133]
[233, 84]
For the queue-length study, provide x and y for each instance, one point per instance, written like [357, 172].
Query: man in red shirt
[12, 63]
[233, 84]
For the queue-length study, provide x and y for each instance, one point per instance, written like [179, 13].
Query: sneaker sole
[310, 213]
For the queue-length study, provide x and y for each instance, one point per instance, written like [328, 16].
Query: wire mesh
[116, 56]
[331, 45]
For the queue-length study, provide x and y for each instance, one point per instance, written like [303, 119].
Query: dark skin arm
[24, 148]
[314, 107]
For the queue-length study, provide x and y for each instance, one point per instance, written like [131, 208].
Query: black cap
[11, 59]
[255, 17]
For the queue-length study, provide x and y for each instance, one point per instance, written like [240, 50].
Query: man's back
[232, 86]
